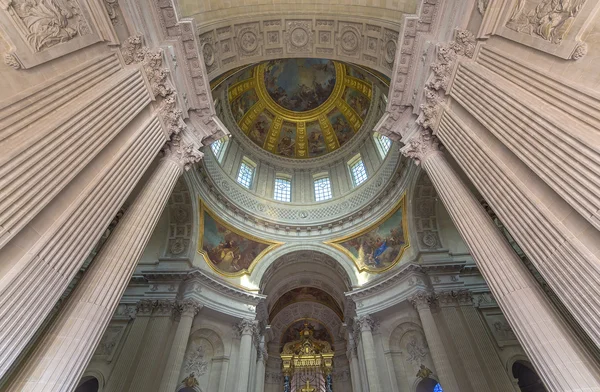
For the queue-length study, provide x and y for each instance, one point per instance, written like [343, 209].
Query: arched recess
[320, 254]
[204, 345]
[409, 351]
[91, 382]
[312, 310]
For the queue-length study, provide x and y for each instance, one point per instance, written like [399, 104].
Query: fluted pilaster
[499, 378]
[170, 379]
[367, 324]
[555, 352]
[352, 355]
[447, 301]
[124, 364]
[65, 350]
[422, 302]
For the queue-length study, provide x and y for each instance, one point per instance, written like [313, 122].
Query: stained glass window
[438, 388]
[359, 172]
[245, 175]
[283, 189]
[384, 144]
[323, 189]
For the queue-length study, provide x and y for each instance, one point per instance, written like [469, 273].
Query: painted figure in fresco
[342, 130]
[316, 143]
[299, 84]
[258, 133]
[286, 145]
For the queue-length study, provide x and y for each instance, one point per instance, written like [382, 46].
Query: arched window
[438, 388]
[429, 385]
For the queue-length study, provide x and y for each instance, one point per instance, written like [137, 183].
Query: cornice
[208, 280]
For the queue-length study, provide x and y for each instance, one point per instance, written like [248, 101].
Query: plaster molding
[182, 153]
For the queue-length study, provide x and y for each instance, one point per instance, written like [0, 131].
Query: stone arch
[424, 213]
[312, 310]
[181, 212]
[213, 337]
[285, 254]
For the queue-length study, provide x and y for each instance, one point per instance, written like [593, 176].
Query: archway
[429, 385]
[527, 378]
[88, 384]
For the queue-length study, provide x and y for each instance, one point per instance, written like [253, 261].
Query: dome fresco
[300, 108]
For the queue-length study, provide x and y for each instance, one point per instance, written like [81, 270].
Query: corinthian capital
[245, 327]
[189, 307]
[182, 153]
[446, 298]
[367, 323]
[421, 146]
[422, 300]
[144, 307]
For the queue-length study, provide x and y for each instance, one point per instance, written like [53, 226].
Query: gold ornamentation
[360, 264]
[271, 244]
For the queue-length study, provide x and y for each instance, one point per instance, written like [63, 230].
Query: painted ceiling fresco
[303, 294]
[301, 108]
[380, 246]
[227, 250]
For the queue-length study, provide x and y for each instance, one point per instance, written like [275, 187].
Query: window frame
[384, 150]
[354, 162]
[282, 177]
[221, 152]
[321, 177]
[252, 166]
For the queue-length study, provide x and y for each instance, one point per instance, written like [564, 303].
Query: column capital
[181, 153]
[164, 307]
[245, 327]
[262, 354]
[367, 323]
[422, 145]
[422, 300]
[464, 297]
[189, 307]
[445, 299]
[144, 307]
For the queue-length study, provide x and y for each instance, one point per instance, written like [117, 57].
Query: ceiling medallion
[299, 37]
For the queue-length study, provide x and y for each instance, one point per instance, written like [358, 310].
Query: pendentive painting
[292, 332]
[380, 246]
[226, 249]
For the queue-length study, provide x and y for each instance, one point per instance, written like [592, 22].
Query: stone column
[261, 362]
[499, 377]
[124, 365]
[170, 378]
[558, 357]
[422, 302]
[393, 380]
[447, 302]
[352, 355]
[63, 353]
[367, 324]
[224, 375]
[145, 376]
[246, 329]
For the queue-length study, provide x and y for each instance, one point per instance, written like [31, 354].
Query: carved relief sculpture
[548, 19]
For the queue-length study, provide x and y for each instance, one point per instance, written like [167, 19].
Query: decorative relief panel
[551, 26]
[424, 214]
[358, 41]
[110, 341]
[499, 327]
[180, 221]
[41, 31]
